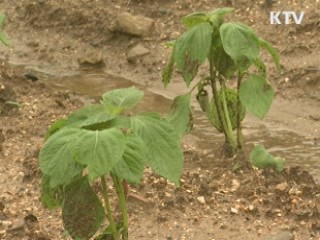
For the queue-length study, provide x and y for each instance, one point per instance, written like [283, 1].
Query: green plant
[99, 141]
[3, 37]
[233, 52]
[260, 158]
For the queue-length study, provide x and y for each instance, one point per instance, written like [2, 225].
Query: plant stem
[226, 115]
[221, 114]
[113, 226]
[123, 206]
[239, 127]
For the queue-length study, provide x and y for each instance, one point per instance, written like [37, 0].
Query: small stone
[284, 235]
[234, 210]
[201, 200]
[137, 51]
[17, 225]
[281, 186]
[235, 185]
[91, 59]
[134, 25]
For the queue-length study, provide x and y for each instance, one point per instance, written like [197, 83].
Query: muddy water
[296, 149]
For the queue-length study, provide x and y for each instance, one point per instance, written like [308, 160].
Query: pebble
[134, 24]
[201, 200]
[137, 51]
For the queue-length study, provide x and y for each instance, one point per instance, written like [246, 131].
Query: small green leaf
[4, 39]
[272, 51]
[131, 166]
[240, 43]
[57, 125]
[89, 115]
[50, 197]
[203, 99]
[192, 49]
[99, 150]
[179, 115]
[57, 157]
[194, 19]
[260, 158]
[221, 12]
[119, 100]
[256, 95]
[170, 44]
[168, 70]
[82, 211]
[217, 16]
[162, 144]
[120, 122]
[261, 67]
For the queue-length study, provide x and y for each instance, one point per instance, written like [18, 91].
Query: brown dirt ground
[50, 36]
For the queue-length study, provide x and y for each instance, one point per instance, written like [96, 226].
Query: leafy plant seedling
[260, 158]
[98, 141]
[232, 50]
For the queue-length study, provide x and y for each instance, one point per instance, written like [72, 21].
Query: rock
[31, 76]
[284, 235]
[201, 200]
[93, 59]
[136, 52]
[134, 25]
[234, 210]
[235, 185]
[17, 225]
[281, 186]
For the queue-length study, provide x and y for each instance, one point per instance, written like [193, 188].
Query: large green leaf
[192, 49]
[256, 95]
[179, 115]
[89, 115]
[57, 157]
[82, 211]
[260, 158]
[240, 42]
[131, 166]
[99, 150]
[122, 99]
[194, 19]
[272, 51]
[162, 144]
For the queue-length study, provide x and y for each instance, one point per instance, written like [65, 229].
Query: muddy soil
[59, 39]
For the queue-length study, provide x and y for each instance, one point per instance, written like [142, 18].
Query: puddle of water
[281, 142]
[295, 149]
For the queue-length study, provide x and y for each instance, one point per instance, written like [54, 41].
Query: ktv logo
[286, 17]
